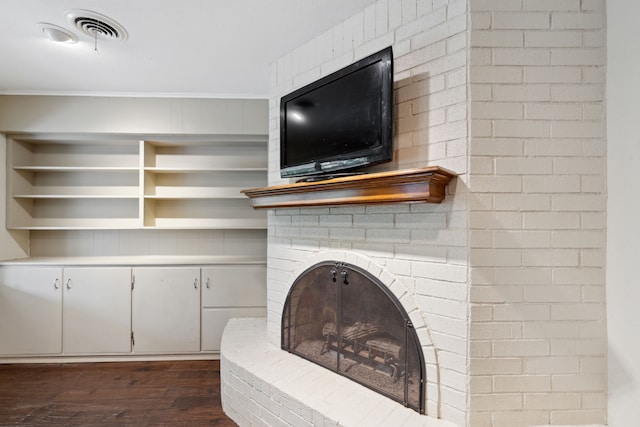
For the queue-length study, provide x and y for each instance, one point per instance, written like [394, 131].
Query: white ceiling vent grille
[96, 25]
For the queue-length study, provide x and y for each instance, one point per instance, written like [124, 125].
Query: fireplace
[343, 318]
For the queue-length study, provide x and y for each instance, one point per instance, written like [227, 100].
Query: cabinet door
[166, 309]
[30, 310]
[230, 291]
[234, 286]
[97, 310]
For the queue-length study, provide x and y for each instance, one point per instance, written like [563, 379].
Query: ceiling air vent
[96, 25]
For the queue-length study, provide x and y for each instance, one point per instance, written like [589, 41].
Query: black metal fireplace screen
[343, 318]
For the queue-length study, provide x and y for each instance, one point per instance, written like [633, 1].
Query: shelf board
[163, 225]
[138, 260]
[410, 185]
[71, 192]
[216, 223]
[216, 140]
[192, 197]
[79, 224]
[76, 168]
[196, 193]
[73, 196]
[202, 170]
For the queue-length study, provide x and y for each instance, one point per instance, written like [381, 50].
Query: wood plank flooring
[181, 393]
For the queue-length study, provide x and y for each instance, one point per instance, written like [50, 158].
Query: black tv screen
[340, 122]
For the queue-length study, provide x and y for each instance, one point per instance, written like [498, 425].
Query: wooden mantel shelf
[410, 185]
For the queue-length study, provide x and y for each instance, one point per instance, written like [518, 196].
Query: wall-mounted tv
[341, 122]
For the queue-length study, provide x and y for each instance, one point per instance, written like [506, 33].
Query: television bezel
[337, 163]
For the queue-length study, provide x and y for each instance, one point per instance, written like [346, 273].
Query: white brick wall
[506, 276]
[537, 244]
[267, 391]
[423, 246]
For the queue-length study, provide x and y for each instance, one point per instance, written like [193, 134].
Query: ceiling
[190, 48]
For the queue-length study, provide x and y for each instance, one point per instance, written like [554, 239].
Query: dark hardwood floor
[183, 393]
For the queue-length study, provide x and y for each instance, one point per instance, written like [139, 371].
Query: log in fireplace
[343, 318]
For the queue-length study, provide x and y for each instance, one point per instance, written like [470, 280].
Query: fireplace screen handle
[344, 274]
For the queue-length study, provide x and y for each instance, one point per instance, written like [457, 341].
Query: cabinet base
[110, 358]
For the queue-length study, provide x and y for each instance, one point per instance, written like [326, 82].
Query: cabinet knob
[207, 283]
[55, 284]
[68, 283]
[195, 284]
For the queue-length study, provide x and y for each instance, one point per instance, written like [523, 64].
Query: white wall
[86, 114]
[14, 244]
[623, 235]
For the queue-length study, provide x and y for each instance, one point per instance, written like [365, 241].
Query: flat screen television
[341, 122]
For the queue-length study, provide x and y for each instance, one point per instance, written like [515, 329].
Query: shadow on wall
[620, 379]
[412, 121]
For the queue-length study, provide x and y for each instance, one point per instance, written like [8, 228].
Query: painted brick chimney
[508, 272]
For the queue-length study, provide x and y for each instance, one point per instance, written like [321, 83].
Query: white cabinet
[97, 310]
[166, 309]
[125, 184]
[51, 310]
[124, 310]
[230, 291]
[30, 310]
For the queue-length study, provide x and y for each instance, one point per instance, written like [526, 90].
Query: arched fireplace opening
[343, 318]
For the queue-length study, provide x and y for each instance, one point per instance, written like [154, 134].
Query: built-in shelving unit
[198, 185]
[129, 184]
[126, 236]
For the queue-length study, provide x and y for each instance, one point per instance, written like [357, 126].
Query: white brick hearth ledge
[259, 382]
